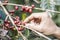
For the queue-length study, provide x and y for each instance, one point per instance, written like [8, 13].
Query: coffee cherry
[33, 6]
[16, 8]
[20, 28]
[8, 22]
[15, 22]
[18, 24]
[6, 25]
[11, 11]
[27, 9]
[30, 10]
[17, 17]
[11, 27]
[23, 8]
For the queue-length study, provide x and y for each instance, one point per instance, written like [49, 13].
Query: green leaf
[26, 33]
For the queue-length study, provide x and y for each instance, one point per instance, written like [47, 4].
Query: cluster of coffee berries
[27, 9]
[16, 19]
[18, 23]
[7, 24]
[24, 8]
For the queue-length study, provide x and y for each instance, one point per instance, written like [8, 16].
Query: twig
[11, 20]
[6, 18]
[38, 2]
[30, 7]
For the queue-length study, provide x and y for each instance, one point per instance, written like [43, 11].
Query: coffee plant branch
[31, 7]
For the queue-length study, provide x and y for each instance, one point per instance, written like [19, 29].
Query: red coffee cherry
[18, 24]
[11, 27]
[15, 22]
[6, 25]
[16, 8]
[11, 12]
[27, 9]
[30, 10]
[20, 28]
[17, 17]
[5, 21]
[23, 8]
[33, 6]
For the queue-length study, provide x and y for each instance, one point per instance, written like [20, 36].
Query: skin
[43, 23]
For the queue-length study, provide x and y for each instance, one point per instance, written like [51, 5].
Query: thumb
[28, 19]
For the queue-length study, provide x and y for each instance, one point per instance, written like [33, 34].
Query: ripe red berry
[15, 22]
[6, 25]
[11, 11]
[11, 27]
[20, 28]
[18, 24]
[8, 22]
[5, 21]
[30, 10]
[23, 8]
[33, 5]
[16, 8]
[27, 9]
[17, 17]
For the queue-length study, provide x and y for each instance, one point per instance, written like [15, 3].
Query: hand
[41, 22]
